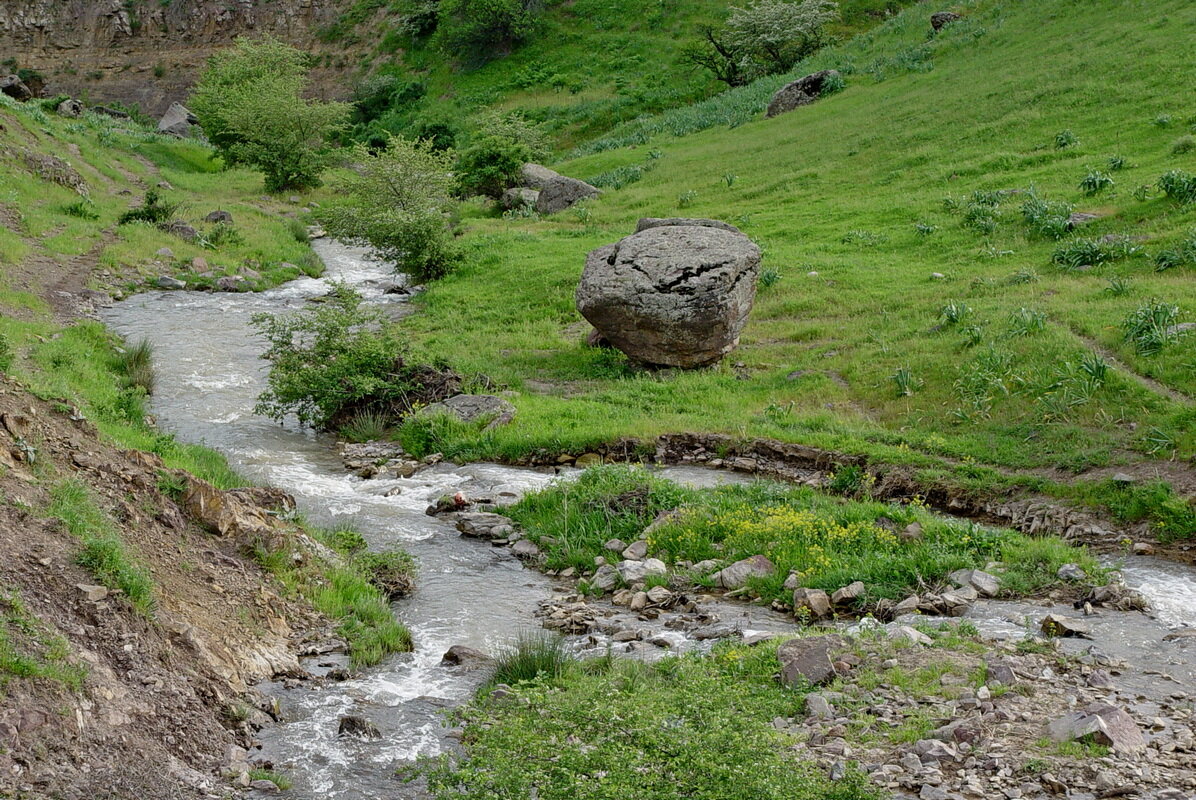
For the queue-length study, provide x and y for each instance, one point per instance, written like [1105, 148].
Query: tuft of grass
[136, 366]
[1180, 186]
[1091, 252]
[1026, 322]
[1065, 138]
[1048, 219]
[1183, 145]
[279, 779]
[1151, 326]
[103, 554]
[31, 651]
[390, 571]
[534, 655]
[82, 209]
[366, 426]
[1095, 182]
[906, 382]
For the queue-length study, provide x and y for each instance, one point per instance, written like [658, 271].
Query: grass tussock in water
[828, 541]
[533, 655]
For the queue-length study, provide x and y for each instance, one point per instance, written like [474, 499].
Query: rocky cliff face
[149, 52]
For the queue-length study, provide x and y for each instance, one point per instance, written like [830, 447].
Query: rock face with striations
[673, 295]
[800, 92]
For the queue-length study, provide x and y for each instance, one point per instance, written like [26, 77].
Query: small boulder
[91, 593]
[1059, 625]
[181, 229]
[164, 252]
[358, 728]
[849, 593]
[985, 584]
[525, 549]
[800, 92]
[561, 193]
[635, 571]
[219, 216]
[462, 655]
[472, 408]
[70, 108]
[809, 660]
[1106, 724]
[636, 551]
[167, 282]
[941, 19]
[818, 706]
[177, 121]
[617, 545]
[199, 264]
[909, 634]
[230, 283]
[736, 575]
[519, 198]
[1071, 572]
[536, 177]
[815, 602]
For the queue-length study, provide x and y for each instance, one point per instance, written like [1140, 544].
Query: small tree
[396, 200]
[765, 38]
[480, 29]
[328, 362]
[495, 154]
[249, 103]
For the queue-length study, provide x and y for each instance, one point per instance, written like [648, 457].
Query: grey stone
[736, 575]
[358, 728]
[177, 121]
[674, 296]
[849, 593]
[1071, 572]
[818, 706]
[230, 283]
[1000, 671]
[1059, 625]
[605, 578]
[907, 606]
[665, 222]
[535, 176]
[264, 786]
[909, 634]
[814, 601]
[636, 551]
[525, 548]
[809, 660]
[15, 88]
[167, 282]
[803, 91]
[219, 216]
[929, 792]
[519, 198]
[1107, 724]
[92, 593]
[986, 584]
[471, 408]
[560, 193]
[70, 108]
[633, 571]
[617, 545]
[463, 655]
[181, 229]
[164, 252]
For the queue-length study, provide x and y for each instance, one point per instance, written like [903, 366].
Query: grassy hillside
[921, 166]
[588, 66]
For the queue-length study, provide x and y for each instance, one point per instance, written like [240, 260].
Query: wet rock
[463, 655]
[639, 601]
[814, 602]
[473, 408]
[1106, 724]
[358, 728]
[230, 283]
[634, 571]
[167, 282]
[484, 525]
[955, 604]
[525, 549]
[1143, 549]
[660, 596]
[736, 575]
[605, 578]
[1099, 679]
[985, 584]
[809, 660]
[1059, 625]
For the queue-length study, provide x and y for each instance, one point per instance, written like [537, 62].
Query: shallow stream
[208, 377]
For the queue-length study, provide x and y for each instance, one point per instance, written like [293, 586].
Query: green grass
[104, 555]
[830, 542]
[958, 126]
[279, 779]
[696, 727]
[533, 654]
[28, 650]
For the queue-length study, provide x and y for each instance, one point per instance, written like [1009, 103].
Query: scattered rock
[808, 661]
[1107, 724]
[800, 92]
[676, 295]
[985, 584]
[230, 283]
[181, 229]
[909, 634]
[815, 602]
[93, 594]
[940, 19]
[849, 593]
[525, 548]
[560, 193]
[473, 408]
[164, 252]
[818, 706]
[177, 121]
[359, 728]
[635, 571]
[636, 551]
[264, 786]
[616, 545]
[1058, 625]
[519, 198]
[1071, 572]
[736, 575]
[167, 282]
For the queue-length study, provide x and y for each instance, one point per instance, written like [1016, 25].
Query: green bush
[397, 201]
[494, 155]
[1151, 326]
[477, 30]
[330, 362]
[1180, 186]
[1049, 219]
[153, 210]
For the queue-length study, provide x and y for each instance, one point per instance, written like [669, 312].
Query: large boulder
[669, 222]
[472, 408]
[800, 92]
[70, 108]
[1106, 724]
[110, 112]
[737, 575]
[177, 121]
[560, 192]
[15, 88]
[673, 295]
[534, 176]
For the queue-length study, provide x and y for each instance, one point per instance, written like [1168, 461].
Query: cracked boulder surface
[675, 295]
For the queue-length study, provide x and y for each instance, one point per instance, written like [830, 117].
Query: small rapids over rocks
[469, 593]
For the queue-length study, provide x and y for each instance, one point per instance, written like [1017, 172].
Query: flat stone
[736, 575]
[815, 602]
[525, 549]
[1070, 572]
[460, 654]
[808, 661]
[909, 634]
[986, 584]
[1107, 724]
[636, 551]
[617, 545]
[167, 282]
[849, 593]
[92, 593]
[818, 706]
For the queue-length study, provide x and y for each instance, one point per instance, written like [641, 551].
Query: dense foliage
[494, 154]
[397, 200]
[475, 30]
[250, 104]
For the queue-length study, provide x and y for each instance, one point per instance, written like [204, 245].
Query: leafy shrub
[954, 312]
[397, 201]
[1024, 322]
[477, 30]
[1116, 163]
[495, 154]
[222, 234]
[1183, 255]
[1180, 186]
[769, 277]
[1151, 326]
[153, 209]
[980, 217]
[330, 362]
[1095, 182]
[1118, 286]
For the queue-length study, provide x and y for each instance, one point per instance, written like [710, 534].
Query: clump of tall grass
[366, 426]
[1180, 186]
[1151, 326]
[1095, 182]
[1065, 138]
[391, 571]
[1091, 252]
[1183, 145]
[1047, 218]
[533, 654]
[136, 366]
[1025, 322]
[153, 209]
[83, 209]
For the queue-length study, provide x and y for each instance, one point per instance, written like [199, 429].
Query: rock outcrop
[673, 295]
[801, 92]
[14, 87]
